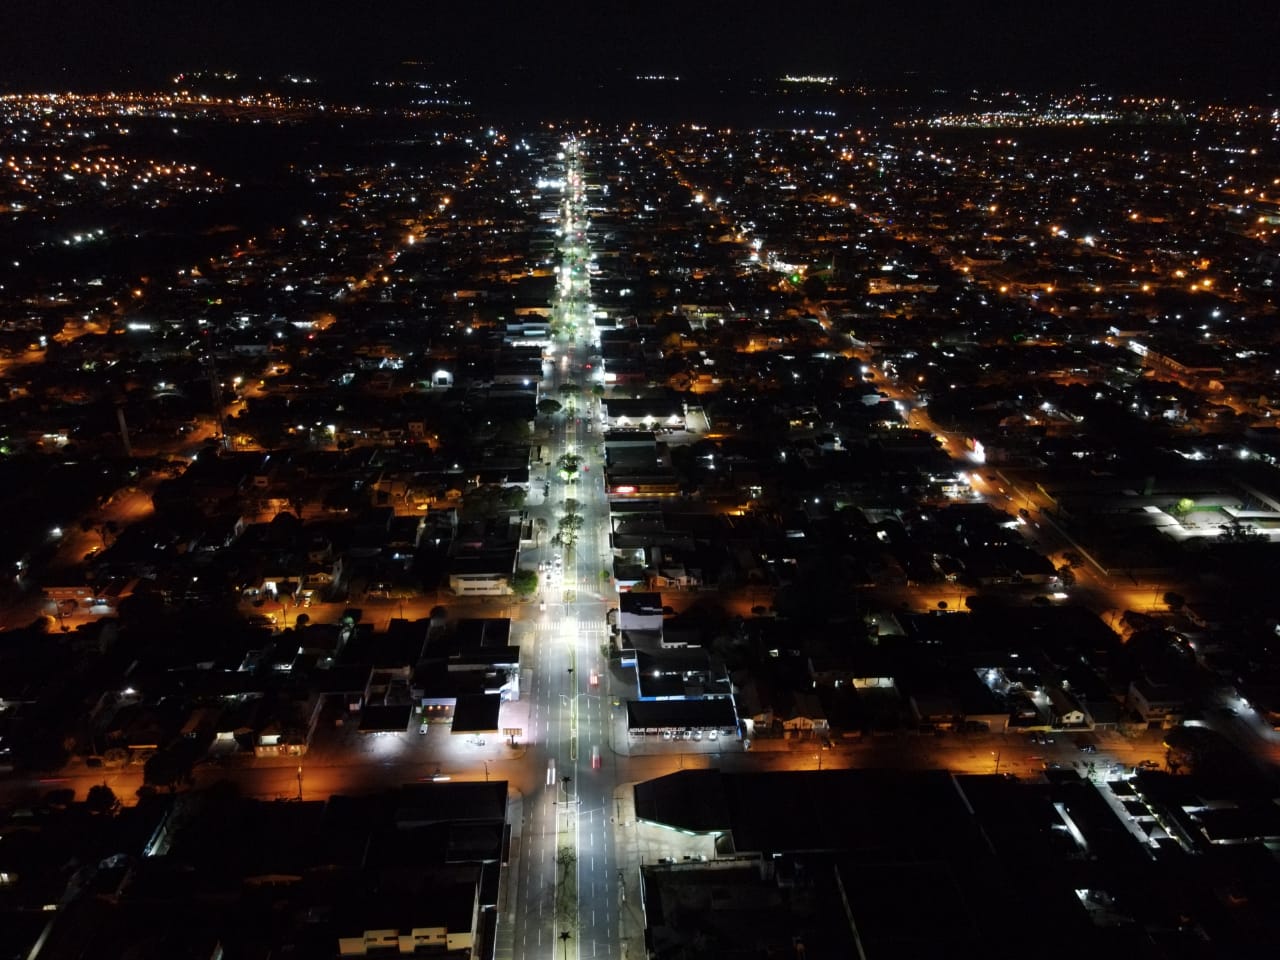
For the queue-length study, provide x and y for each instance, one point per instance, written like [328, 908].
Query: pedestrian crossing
[587, 630]
[589, 634]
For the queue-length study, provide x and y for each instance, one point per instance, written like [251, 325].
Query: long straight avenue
[569, 885]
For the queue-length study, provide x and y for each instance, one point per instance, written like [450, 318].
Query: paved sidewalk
[629, 856]
[639, 845]
[504, 947]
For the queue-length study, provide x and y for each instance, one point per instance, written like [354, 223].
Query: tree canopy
[524, 582]
[569, 464]
[568, 528]
[490, 499]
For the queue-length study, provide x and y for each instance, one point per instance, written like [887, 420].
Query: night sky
[1220, 46]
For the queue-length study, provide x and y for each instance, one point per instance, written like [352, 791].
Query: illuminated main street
[572, 889]
[567, 896]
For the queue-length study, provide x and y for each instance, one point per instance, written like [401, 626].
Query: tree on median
[569, 464]
[569, 526]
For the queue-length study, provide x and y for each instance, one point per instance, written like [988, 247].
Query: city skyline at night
[1040, 46]
[617, 480]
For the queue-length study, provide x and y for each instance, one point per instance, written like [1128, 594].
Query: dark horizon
[1141, 47]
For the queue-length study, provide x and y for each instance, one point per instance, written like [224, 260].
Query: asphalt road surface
[568, 878]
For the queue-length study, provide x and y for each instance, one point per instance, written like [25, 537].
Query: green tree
[105, 530]
[569, 389]
[569, 464]
[102, 799]
[548, 407]
[512, 497]
[482, 501]
[524, 583]
[568, 528]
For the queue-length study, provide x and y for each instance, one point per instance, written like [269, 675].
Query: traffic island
[566, 901]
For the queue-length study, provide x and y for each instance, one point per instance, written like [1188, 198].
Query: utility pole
[299, 781]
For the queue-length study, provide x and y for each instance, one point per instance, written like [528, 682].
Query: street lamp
[996, 754]
[299, 781]
[564, 938]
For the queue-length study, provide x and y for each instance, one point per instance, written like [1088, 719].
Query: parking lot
[711, 736]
